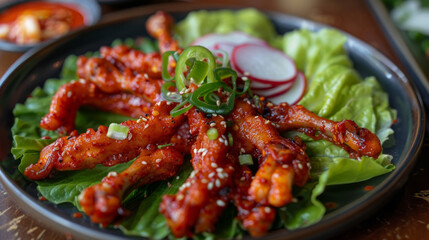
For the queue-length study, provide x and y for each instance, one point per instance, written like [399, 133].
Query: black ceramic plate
[355, 204]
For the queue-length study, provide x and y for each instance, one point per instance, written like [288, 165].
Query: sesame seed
[217, 182]
[267, 209]
[82, 81]
[195, 151]
[294, 200]
[218, 102]
[220, 203]
[130, 135]
[180, 197]
[144, 162]
[210, 186]
[242, 150]
[246, 74]
[143, 119]
[244, 78]
[204, 180]
[242, 179]
[105, 185]
[112, 174]
[267, 122]
[300, 166]
[214, 165]
[219, 169]
[178, 177]
[212, 124]
[158, 160]
[145, 75]
[214, 114]
[220, 175]
[69, 94]
[285, 166]
[212, 174]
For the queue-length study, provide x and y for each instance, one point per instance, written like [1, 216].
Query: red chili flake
[368, 188]
[42, 198]
[77, 215]
[69, 236]
[331, 205]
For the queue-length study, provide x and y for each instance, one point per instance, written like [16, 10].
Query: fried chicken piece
[346, 133]
[111, 80]
[71, 96]
[102, 202]
[94, 147]
[160, 26]
[254, 217]
[125, 57]
[273, 181]
[201, 199]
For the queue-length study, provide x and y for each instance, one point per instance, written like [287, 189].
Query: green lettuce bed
[336, 91]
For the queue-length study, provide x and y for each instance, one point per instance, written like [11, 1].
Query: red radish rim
[240, 70]
[266, 87]
[304, 89]
[275, 94]
[301, 77]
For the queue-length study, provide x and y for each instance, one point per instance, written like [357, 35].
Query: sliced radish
[263, 64]
[261, 86]
[294, 94]
[275, 91]
[210, 40]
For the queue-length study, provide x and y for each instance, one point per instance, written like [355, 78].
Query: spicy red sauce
[43, 20]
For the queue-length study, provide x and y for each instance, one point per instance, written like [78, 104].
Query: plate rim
[395, 178]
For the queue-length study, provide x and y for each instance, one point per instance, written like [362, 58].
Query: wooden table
[406, 216]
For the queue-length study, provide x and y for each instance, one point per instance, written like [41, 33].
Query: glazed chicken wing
[346, 133]
[71, 96]
[160, 26]
[200, 201]
[126, 57]
[111, 80]
[282, 161]
[102, 202]
[94, 147]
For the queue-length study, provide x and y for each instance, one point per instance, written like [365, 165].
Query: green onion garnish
[230, 140]
[165, 145]
[117, 131]
[199, 64]
[245, 159]
[212, 133]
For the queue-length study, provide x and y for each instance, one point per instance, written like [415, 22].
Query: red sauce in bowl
[33, 22]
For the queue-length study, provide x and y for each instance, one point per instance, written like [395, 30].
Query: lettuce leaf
[199, 23]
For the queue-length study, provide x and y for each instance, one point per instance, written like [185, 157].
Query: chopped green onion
[165, 145]
[168, 95]
[180, 109]
[212, 133]
[230, 139]
[225, 58]
[117, 131]
[245, 159]
[165, 59]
